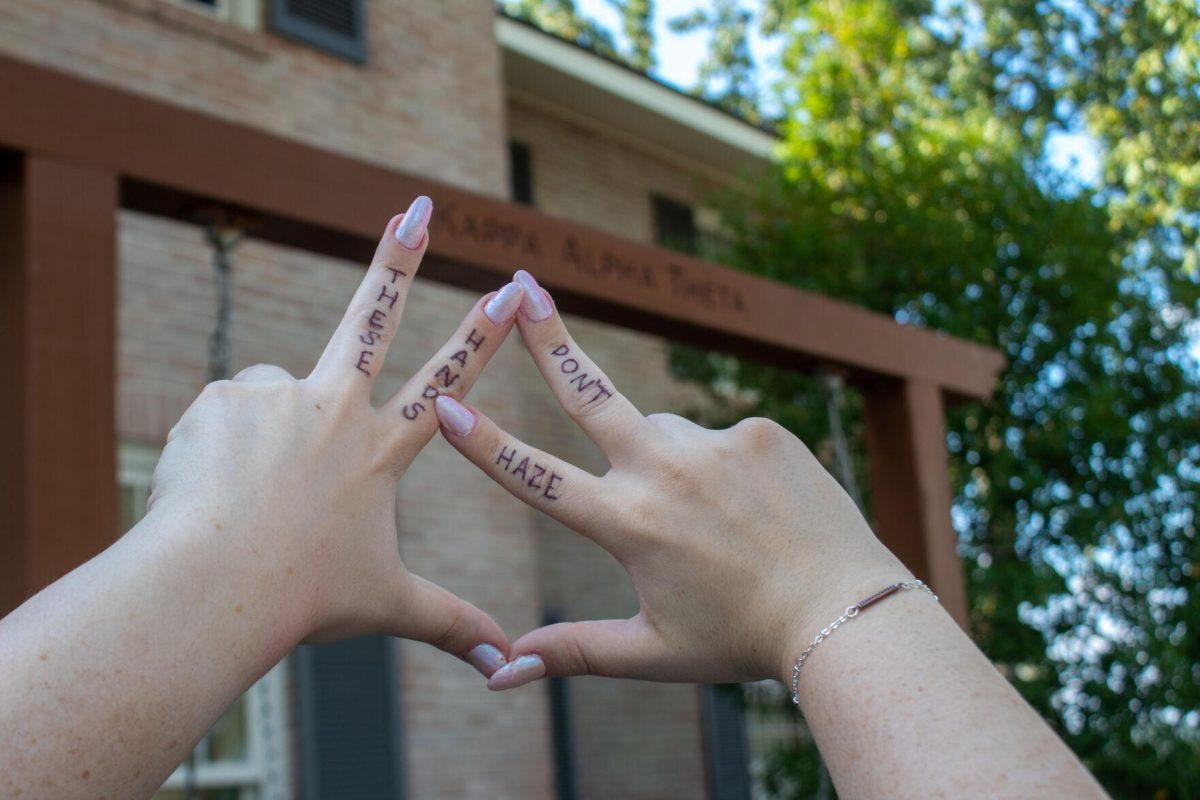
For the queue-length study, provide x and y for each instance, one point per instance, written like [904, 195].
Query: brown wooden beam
[57, 417]
[910, 488]
[180, 157]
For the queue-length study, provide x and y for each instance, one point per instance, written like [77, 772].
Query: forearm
[111, 675]
[902, 704]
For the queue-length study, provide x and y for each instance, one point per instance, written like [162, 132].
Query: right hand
[739, 544]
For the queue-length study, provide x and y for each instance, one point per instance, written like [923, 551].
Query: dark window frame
[287, 23]
[675, 224]
[520, 172]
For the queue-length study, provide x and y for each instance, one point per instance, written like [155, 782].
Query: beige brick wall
[414, 105]
[592, 175]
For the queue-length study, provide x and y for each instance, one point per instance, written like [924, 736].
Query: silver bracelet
[850, 613]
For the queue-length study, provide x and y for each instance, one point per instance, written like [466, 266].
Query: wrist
[226, 565]
[830, 603]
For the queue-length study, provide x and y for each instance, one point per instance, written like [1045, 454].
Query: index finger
[582, 389]
[355, 353]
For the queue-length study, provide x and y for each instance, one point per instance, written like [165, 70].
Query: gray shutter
[349, 720]
[562, 738]
[335, 26]
[728, 754]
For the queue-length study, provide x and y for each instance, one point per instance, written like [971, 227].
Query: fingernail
[504, 304]
[486, 658]
[517, 673]
[454, 415]
[416, 220]
[535, 304]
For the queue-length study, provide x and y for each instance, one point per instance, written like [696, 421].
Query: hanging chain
[835, 404]
[223, 237]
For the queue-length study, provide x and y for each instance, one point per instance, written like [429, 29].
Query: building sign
[573, 256]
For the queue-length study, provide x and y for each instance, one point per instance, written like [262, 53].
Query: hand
[299, 476]
[740, 546]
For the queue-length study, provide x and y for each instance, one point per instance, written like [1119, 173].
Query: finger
[443, 619]
[263, 373]
[355, 353]
[582, 389]
[454, 369]
[561, 490]
[610, 648]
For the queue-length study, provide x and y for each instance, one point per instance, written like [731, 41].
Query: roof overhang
[542, 66]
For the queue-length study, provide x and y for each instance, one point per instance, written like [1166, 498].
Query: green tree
[913, 182]
[728, 74]
[1128, 73]
[562, 18]
[637, 23]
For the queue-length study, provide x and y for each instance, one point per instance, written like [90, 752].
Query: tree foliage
[563, 19]
[913, 182]
[728, 74]
[637, 20]
[1124, 71]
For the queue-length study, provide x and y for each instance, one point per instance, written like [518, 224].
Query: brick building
[450, 90]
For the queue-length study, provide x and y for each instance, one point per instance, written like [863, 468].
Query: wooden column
[906, 445]
[57, 369]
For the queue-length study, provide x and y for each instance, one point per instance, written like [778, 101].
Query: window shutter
[521, 173]
[335, 26]
[728, 754]
[562, 737]
[349, 720]
[675, 225]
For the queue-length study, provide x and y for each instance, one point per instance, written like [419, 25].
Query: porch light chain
[850, 613]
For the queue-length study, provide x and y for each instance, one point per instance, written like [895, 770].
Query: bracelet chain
[850, 613]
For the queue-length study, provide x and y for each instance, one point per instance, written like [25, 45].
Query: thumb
[610, 648]
[435, 616]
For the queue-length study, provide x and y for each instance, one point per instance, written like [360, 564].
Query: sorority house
[188, 187]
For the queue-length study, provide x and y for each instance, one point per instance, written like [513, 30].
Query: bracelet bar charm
[882, 593]
[850, 613]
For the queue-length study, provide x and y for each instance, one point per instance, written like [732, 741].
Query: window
[335, 26]
[243, 13]
[244, 755]
[695, 231]
[675, 225]
[521, 173]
